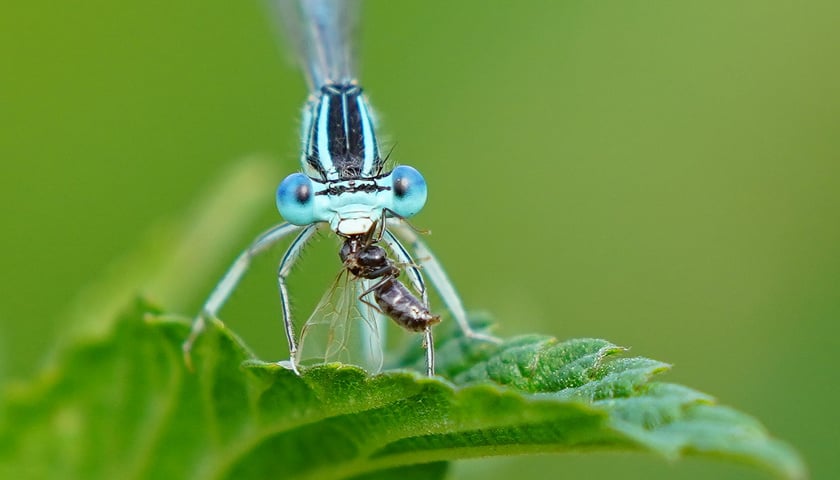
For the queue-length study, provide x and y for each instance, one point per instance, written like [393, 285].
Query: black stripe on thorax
[344, 129]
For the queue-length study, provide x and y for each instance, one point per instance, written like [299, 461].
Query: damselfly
[345, 187]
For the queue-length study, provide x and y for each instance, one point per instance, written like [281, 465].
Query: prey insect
[379, 293]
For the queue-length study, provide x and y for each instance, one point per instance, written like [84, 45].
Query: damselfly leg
[437, 275]
[231, 279]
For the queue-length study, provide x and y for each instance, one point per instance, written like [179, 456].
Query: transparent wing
[343, 329]
[320, 34]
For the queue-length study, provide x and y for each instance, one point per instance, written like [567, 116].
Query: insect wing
[320, 34]
[342, 328]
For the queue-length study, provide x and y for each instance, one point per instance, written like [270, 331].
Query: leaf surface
[124, 406]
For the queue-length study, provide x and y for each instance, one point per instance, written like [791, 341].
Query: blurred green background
[661, 174]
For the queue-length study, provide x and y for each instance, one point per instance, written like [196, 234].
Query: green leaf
[124, 406]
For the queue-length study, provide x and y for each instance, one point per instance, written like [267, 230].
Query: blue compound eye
[409, 191]
[295, 199]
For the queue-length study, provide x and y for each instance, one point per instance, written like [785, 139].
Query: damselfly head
[351, 206]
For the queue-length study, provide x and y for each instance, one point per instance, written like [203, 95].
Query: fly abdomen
[403, 307]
